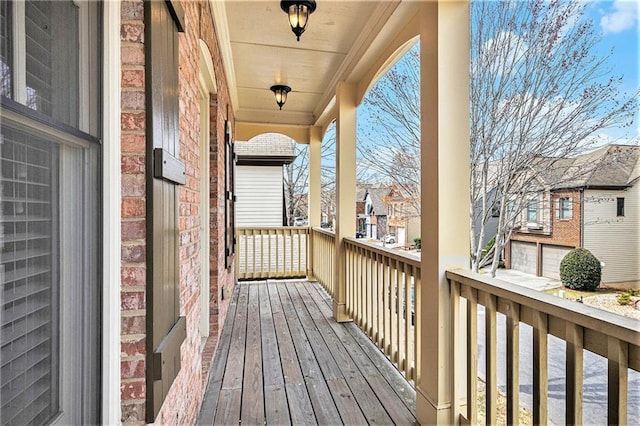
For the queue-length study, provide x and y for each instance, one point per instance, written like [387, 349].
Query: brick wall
[182, 404]
[133, 271]
[564, 232]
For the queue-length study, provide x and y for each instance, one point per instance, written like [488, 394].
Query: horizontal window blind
[29, 280]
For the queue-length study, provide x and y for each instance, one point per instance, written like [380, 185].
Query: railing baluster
[388, 309]
[408, 308]
[540, 374]
[574, 365]
[491, 393]
[471, 295]
[617, 377]
[513, 363]
[370, 293]
[454, 371]
[417, 289]
[394, 311]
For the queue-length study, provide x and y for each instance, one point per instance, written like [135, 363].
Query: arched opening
[388, 189]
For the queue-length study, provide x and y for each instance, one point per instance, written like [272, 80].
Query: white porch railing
[582, 327]
[278, 252]
[323, 250]
[380, 287]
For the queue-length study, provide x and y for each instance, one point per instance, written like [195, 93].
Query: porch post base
[340, 312]
[428, 412]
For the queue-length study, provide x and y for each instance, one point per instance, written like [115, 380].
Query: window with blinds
[49, 219]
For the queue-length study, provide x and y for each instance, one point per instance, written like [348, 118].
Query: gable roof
[269, 149]
[612, 166]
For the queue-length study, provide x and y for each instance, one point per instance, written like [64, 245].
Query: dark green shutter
[166, 329]
[230, 198]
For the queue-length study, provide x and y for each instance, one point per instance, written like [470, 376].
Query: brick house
[117, 266]
[595, 206]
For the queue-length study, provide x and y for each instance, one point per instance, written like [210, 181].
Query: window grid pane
[6, 50]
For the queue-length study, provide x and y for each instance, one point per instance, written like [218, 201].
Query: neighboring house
[260, 194]
[598, 209]
[361, 216]
[375, 210]
[403, 219]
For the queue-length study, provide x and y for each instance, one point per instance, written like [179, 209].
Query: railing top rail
[617, 326]
[324, 231]
[272, 228]
[390, 253]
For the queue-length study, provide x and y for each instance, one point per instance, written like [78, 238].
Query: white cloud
[624, 16]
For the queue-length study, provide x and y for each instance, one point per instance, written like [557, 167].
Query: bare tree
[390, 147]
[539, 94]
[296, 178]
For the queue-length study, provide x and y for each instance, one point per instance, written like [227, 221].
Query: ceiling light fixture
[280, 91]
[298, 12]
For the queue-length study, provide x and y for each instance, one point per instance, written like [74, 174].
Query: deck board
[282, 359]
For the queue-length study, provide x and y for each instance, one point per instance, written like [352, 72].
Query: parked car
[389, 239]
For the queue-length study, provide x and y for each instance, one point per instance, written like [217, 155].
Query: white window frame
[207, 85]
[565, 214]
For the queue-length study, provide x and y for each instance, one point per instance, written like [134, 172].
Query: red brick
[133, 78]
[132, 300]
[134, 254]
[133, 276]
[133, 413]
[131, 10]
[133, 230]
[133, 100]
[133, 142]
[133, 185]
[133, 348]
[133, 207]
[132, 120]
[132, 31]
[132, 54]
[133, 325]
[133, 390]
[132, 164]
[134, 369]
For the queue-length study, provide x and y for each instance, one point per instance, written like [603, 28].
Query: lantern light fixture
[280, 91]
[298, 12]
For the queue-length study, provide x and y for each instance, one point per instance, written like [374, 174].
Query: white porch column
[444, 64]
[345, 190]
[315, 191]
[314, 195]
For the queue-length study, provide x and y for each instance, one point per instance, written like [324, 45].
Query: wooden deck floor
[282, 359]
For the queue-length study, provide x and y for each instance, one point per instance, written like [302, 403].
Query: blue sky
[617, 20]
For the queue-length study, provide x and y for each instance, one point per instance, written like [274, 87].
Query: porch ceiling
[344, 41]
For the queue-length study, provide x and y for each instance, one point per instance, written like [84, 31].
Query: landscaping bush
[624, 298]
[580, 270]
[418, 242]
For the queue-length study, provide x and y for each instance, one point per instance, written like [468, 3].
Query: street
[595, 376]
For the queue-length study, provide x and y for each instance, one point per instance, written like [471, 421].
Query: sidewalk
[527, 280]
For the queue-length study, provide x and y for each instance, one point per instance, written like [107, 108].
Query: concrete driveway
[527, 280]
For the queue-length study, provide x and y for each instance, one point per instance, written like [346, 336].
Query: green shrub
[633, 292]
[624, 298]
[418, 242]
[580, 270]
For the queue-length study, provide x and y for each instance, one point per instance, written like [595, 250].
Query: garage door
[523, 257]
[551, 258]
[402, 235]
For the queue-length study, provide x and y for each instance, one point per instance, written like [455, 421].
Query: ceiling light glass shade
[280, 91]
[298, 12]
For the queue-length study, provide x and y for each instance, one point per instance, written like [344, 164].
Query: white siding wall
[259, 196]
[614, 240]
